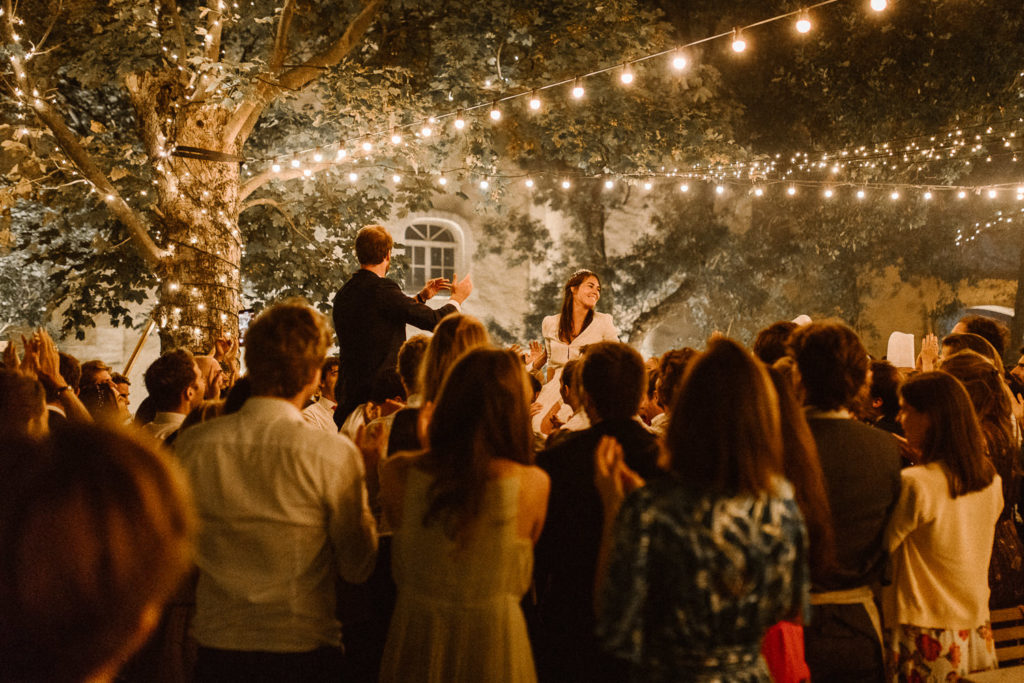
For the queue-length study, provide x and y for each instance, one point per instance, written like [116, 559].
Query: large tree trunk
[197, 201]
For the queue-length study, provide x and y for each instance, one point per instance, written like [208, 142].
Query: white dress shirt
[321, 414]
[164, 424]
[283, 509]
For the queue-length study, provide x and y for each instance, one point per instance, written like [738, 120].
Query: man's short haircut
[613, 379]
[70, 370]
[410, 357]
[120, 379]
[285, 348]
[373, 244]
[387, 385]
[671, 370]
[833, 363]
[331, 363]
[770, 344]
[91, 369]
[968, 341]
[885, 385]
[992, 330]
[168, 376]
[96, 528]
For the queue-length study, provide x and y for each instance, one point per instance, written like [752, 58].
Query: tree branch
[214, 29]
[74, 150]
[245, 116]
[261, 179]
[280, 50]
[273, 203]
[649, 318]
[178, 30]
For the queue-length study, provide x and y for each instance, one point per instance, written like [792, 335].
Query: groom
[370, 315]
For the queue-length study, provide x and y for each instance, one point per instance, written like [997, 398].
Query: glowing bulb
[829, 193]
[442, 180]
[577, 89]
[991, 194]
[961, 194]
[495, 112]
[534, 101]
[609, 184]
[566, 184]
[318, 157]
[396, 139]
[894, 195]
[684, 188]
[341, 153]
[791, 191]
[678, 61]
[396, 178]
[627, 75]
[648, 185]
[426, 131]
[803, 23]
[367, 146]
[739, 43]
[758, 192]
[295, 163]
[353, 176]
[719, 189]
[484, 184]
[879, 5]
[927, 195]
[276, 168]
[860, 194]
[529, 182]
[307, 172]
[460, 122]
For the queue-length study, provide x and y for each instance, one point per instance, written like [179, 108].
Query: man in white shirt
[175, 386]
[320, 413]
[283, 511]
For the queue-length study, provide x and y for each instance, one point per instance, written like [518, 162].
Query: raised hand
[11, 360]
[612, 477]
[929, 355]
[537, 356]
[461, 289]
[30, 363]
[49, 357]
[434, 286]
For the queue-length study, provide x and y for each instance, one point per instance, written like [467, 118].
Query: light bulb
[307, 172]
[529, 182]
[829, 193]
[739, 43]
[879, 5]
[961, 195]
[367, 146]
[758, 192]
[295, 163]
[609, 184]
[678, 61]
[791, 191]
[352, 177]
[577, 89]
[341, 153]
[318, 156]
[991, 194]
[566, 184]
[803, 22]
[627, 75]
[396, 178]
[396, 139]
[276, 168]
[534, 101]
[719, 189]
[860, 194]
[895, 195]
[442, 180]
[484, 184]
[426, 131]
[927, 195]
[495, 112]
[460, 122]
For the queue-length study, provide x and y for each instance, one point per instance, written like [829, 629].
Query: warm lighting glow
[367, 146]
[991, 194]
[791, 191]
[353, 176]
[318, 156]
[829, 193]
[927, 195]
[566, 184]
[684, 188]
[276, 168]
[341, 153]
[627, 75]
[961, 194]
[484, 184]
[534, 101]
[396, 178]
[860, 194]
[719, 189]
[577, 89]
[460, 122]
[739, 43]
[678, 61]
[442, 180]
[879, 5]
[295, 163]
[803, 22]
[426, 131]
[609, 184]
[495, 112]
[396, 139]
[894, 195]
[758, 192]
[529, 182]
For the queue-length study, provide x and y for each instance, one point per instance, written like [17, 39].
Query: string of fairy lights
[781, 174]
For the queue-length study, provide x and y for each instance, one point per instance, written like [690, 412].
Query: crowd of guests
[796, 510]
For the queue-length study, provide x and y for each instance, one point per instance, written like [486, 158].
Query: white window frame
[457, 245]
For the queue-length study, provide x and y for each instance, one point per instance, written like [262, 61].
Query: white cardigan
[601, 328]
[941, 549]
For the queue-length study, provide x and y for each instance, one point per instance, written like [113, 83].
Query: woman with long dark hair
[697, 565]
[466, 513]
[940, 537]
[578, 323]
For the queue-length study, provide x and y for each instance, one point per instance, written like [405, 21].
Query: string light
[484, 184]
[353, 176]
[529, 182]
[719, 189]
[791, 191]
[879, 5]
[627, 75]
[566, 184]
[396, 178]
[460, 122]
[534, 101]
[803, 22]
[495, 112]
[396, 138]
[739, 43]
[678, 60]
[426, 131]
[367, 146]
[609, 184]
[577, 89]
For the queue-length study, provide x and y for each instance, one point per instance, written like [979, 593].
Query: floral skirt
[916, 654]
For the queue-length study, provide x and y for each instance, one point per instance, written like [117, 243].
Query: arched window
[432, 249]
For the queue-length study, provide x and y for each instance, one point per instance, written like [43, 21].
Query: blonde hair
[454, 335]
[285, 348]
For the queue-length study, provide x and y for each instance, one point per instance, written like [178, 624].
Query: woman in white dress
[578, 324]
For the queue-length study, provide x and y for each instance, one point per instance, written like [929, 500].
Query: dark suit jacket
[862, 479]
[370, 315]
[566, 555]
